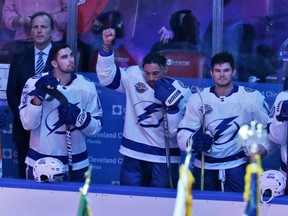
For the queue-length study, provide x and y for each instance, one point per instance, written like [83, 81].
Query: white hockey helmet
[273, 183]
[48, 169]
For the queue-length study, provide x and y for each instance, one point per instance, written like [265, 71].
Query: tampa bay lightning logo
[247, 89]
[54, 125]
[149, 114]
[225, 130]
[42, 161]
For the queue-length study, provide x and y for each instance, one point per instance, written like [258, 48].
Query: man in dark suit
[22, 67]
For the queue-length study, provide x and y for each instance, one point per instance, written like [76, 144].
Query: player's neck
[65, 78]
[223, 90]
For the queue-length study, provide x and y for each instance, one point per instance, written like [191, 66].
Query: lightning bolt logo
[226, 125]
[148, 114]
[56, 125]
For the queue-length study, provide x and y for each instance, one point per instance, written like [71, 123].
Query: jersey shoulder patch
[247, 89]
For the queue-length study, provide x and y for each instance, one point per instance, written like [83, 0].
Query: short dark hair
[43, 13]
[221, 58]
[156, 58]
[185, 26]
[55, 49]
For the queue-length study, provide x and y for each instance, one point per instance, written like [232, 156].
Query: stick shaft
[69, 149]
[202, 153]
[167, 146]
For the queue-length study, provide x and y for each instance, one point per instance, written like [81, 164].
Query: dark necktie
[39, 64]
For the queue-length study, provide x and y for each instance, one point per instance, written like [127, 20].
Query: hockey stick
[167, 146]
[135, 19]
[203, 130]
[188, 154]
[64, 101]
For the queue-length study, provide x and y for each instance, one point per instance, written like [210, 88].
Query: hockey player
[214, 132]
[150, 98]
[278, 127]
[48, 120]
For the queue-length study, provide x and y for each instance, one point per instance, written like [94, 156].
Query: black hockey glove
[168, 95]
[70, 114]
[45, 82]
[4, 119]
[201, 142]
[282, 111]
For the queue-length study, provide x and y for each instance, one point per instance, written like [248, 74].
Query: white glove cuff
[82, 119]
[173, 98]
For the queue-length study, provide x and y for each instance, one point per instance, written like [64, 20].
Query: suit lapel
[30, 62]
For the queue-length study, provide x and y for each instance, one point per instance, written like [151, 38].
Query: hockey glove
[201, 142]
[168, 95]
[4, 120]
[45, 82]
[282, 111]
[70, 114]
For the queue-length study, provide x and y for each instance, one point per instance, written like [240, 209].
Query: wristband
[106, 47]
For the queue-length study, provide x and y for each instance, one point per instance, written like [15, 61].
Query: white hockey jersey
[143, 136]
[48, 135]
[278, 131]
[223, 118]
